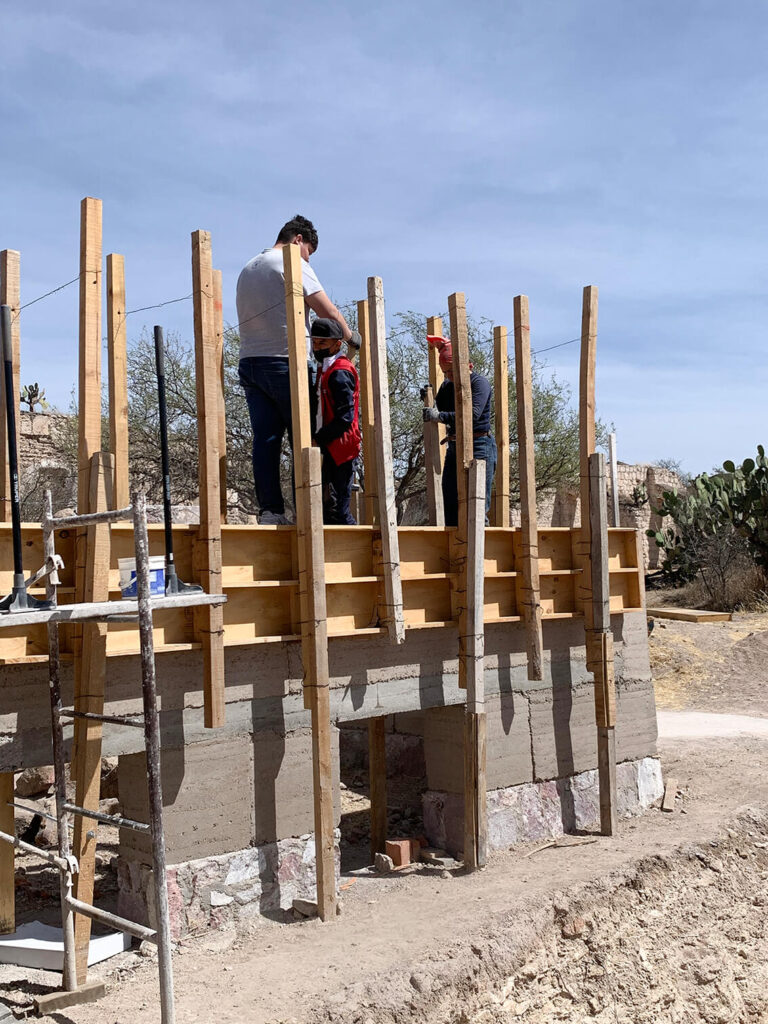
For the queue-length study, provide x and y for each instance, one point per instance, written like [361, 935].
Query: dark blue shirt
[482, 399]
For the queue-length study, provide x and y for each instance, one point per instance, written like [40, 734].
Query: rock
[445, 873]
[220, 899]
[110, 806]
[109, 778]
[307, 908]
[420, 982]
[35, 781]
[574, 928]
[383, 864]
[715, 864]
[147, 949]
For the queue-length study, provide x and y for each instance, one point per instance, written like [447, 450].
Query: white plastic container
[127, 568]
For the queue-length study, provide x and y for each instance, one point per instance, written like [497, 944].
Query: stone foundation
[260, 881]
[542, 810]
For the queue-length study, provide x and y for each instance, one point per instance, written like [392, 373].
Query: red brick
[400, 851]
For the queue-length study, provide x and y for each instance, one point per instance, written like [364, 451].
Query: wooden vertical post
[527, 469]
[475, 826]
[377, 778]
[86, 761]
[89, 393]
[368, 417]
[614, 479]
[10, 295]
[393, 590]
[117, 359]
[501, 402]
[436, 376]
[7, 860]
[209, 621]
[464, 452]
[218, 316]
[586, 448]
[312, 601]
[605, 690]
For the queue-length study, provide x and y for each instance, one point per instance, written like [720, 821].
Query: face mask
[321, 354]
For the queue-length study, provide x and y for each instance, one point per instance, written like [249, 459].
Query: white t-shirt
[261, 305]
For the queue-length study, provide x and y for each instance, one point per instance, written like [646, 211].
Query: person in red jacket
[337, 427]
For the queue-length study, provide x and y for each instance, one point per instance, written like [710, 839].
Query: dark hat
[324, 328]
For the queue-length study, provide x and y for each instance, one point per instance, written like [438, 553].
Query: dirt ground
[665, 922]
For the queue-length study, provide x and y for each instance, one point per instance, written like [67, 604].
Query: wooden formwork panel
[424, 551]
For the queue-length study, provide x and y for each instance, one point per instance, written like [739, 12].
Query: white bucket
[127, 568]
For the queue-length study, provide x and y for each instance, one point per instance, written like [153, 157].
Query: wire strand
[46, 295]
[157, 305]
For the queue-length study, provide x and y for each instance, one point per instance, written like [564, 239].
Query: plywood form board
[530, 590]
[464, 452]
[209, 622]
[117, 363]
[501, 408]
[86, 759]
[10, 295]
[218, 319]
[393, 593]
[368, 417]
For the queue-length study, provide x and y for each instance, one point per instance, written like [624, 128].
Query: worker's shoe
[273, 519]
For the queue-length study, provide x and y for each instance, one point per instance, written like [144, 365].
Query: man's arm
[319, 303]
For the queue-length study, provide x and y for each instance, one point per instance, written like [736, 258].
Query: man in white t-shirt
[264, 354]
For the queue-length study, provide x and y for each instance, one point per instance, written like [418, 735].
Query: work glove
[355, 341]
[431, 415]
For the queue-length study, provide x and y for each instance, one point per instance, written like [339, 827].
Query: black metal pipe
[13, 459]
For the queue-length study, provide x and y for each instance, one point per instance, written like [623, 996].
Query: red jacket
[342, 446]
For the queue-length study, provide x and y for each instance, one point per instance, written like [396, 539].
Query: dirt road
[664, 922]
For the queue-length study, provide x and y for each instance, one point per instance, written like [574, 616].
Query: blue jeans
[267, 385]
[483, 448]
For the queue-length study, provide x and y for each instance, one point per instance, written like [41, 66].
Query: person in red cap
[337, 427]
[444, 411]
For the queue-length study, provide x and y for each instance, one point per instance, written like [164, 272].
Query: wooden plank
[433, 465]
[310, 543]
[501, 406]
[218, 317]
[614, 479]
[368, 418]
[689, 615]
[605, 690]
[7, 859]
[209, 622]
[475, 833]
[377, 777]
[60, 1000]
[531, 590]
[464, 450]
[89, 389]
[670, 792]
[117, 359]
[86, 762]
[436, 376]
[10, 295]
[393, 591]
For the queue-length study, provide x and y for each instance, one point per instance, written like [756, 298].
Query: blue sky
[494, 148]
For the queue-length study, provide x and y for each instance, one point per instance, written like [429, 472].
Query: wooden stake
[605, 690]
[475, 827]
[209, 621]
[89, 395]
[464, 451]
[501, 402]
[7, 860]
[10, 295]
[393, 591]
[530, 591]
[614, 479]
[368, 418]
[10, 288]
[436, 376]
[377, 777]
[586, 448]
[218, 315]
[86, 762]
[310, 543]
[118, 377]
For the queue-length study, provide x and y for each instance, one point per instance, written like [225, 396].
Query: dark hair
[299, 226]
